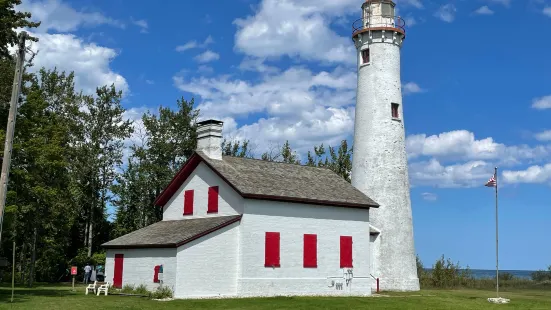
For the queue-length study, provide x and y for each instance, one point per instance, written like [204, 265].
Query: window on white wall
[366, 56]
[395, 110]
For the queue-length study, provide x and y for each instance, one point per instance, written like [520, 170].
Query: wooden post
[73, 283]
[16, 90]
[13, 272]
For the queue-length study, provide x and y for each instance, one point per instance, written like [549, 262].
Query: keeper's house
[245, 227]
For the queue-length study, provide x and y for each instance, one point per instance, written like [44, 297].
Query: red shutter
[310, 251]
[346, 251]
[213, 200]
[271, 252]
[156, 274]
[188, 202]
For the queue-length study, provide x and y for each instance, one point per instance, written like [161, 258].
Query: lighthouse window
[365, 56]
[387, 10]
[395, 113]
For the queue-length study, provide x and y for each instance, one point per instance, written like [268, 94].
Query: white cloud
[433, 173]
[462, 145]
[257, 65]
[542, 103]
[205, 69]
[142, 24]
[294, 29]
[194, 44]
[412, 88]
[90, 62]
[446, 13]
[484, 10]
[544, 135]
[304, 107]
[285, 93]
[59, 16]
[429, 196]
[138, 136]
[410, 21]
[547, 11]
[207, 56]
[534, 174]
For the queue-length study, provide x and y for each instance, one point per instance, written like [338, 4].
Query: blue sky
[475, 74]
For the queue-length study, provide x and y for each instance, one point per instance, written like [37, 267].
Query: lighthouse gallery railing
[379, 21]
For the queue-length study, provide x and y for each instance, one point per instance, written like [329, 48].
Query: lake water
[484, 273]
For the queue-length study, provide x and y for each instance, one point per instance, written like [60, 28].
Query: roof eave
[172, 244]
[310, 201]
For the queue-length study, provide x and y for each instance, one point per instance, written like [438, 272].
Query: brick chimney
[209, 138]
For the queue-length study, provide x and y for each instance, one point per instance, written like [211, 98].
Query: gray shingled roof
[261, 179]
[169, 234]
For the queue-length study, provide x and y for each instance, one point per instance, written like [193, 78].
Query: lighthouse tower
[379, 167]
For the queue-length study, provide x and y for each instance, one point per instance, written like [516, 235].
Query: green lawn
[61, 297]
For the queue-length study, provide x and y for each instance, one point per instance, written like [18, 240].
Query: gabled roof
[171, 234]
[259, 179]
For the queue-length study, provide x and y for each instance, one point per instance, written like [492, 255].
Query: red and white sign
[74, 270]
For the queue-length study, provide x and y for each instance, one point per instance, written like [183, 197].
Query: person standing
[87, 270]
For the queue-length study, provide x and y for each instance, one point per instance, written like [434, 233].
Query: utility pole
[16, 90]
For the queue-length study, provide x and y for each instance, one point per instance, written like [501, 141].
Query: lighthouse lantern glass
[387, 10]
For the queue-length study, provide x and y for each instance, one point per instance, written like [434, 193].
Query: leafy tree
[10, 19]
[39, 208]
[236, 148]
[103, 131]
[169, 140]
[339, 161]
[283, 154]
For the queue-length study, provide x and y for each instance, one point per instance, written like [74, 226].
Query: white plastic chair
[104, 288]
[91, 287]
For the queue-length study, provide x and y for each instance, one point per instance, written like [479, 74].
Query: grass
[61, 297]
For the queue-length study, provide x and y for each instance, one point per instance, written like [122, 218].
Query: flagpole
[497, 240]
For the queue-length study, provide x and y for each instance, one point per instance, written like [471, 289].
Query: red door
[117, 275]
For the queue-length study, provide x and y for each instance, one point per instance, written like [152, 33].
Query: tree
[283, 154]
[236, 148]
[10, 19]
[169, 140]
[339, 161]
[39, 211]
[103, 131]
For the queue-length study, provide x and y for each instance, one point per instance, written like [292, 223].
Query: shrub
[141, 289]
[446, 274]
[128, 289]
[162, 293]
[542, 275]
[506, 276]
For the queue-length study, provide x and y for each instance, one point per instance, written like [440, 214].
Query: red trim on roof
[194, 161]
[178, 179]
[237, 219]
[175, 245]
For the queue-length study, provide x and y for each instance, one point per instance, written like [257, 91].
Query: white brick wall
[294, 220]
[229, 202]
[379, 165]
[139, 264]
[208, 266]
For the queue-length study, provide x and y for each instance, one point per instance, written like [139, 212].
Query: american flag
[492, 181]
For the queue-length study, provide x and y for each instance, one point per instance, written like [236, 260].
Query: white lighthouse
[379, 167]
